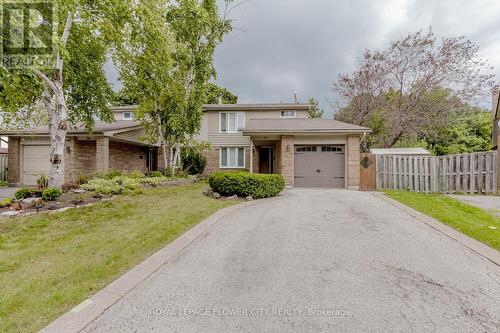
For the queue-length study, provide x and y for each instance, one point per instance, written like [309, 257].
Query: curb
[90, 309]
[475, 246]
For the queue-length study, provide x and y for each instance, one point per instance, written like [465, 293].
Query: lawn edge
[472, 244]
[93, 307]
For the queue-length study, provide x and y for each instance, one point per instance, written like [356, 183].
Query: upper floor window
[232, 122]
[128, 115]
[287, 114]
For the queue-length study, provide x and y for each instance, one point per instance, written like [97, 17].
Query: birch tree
[199, 28]
[75, 90]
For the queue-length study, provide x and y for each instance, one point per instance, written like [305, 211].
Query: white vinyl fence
[3, 167]
[474, 173]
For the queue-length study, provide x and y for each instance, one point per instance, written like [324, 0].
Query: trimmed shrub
[22, 193]
[51, 194]
[244, 184]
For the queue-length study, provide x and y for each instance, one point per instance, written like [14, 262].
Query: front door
[266, 160]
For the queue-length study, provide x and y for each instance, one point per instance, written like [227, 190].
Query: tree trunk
[176, 157]
[58, 128]
[162, 138]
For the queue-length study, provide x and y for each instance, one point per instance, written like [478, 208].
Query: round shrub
[194, 163]
[244, 184]
[51, 194]
[22, 193]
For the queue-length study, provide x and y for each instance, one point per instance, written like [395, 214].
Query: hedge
[244, 184]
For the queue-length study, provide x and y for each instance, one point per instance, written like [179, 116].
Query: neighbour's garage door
[320, 166]
[35, 161]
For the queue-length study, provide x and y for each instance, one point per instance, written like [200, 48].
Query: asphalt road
[316, 261]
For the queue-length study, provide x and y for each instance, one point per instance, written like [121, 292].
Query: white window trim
[237, 113]
[230, 167]
[294, 114]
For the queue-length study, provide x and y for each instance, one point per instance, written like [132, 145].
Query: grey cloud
[282, 46]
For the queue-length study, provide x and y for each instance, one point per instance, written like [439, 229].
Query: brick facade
[14, 161]
[287, 155]
[102, 154]
[353, 152]
[213, 160]
[126, 157]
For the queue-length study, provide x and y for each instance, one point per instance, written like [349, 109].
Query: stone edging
[479, 248]
[90, 309]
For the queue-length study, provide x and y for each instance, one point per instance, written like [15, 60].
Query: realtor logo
[28, 30]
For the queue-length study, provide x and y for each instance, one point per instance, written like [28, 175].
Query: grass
[51, 262]
[472, 221]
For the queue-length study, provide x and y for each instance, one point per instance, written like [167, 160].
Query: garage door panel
[320, 167]
[35, 161]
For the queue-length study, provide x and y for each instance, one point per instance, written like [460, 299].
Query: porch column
[287, 153]
[14, 161]
[102, 154]
[353, 158]
[251, 156]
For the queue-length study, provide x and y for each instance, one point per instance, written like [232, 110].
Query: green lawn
[51, 262]
[467, 219]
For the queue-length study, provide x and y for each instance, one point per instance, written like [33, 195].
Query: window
[287, 114]
[232, 122]
[128, 115]
[232, 157]
[333, 149]
[303, 149]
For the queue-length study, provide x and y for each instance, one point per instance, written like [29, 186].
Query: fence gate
[367, 173]
[474, 173]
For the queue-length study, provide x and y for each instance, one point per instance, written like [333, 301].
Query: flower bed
[30, 200]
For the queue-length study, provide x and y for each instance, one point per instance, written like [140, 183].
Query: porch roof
[297, 125]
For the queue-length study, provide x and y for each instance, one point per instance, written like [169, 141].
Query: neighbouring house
[262, 138]
[417, 151]
[496, 118]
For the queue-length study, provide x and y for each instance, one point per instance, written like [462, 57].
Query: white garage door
[35, 161]
[320, 166]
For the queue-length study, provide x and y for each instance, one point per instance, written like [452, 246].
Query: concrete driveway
[489, 203]
[316, 261]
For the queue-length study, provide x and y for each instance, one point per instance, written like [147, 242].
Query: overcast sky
[282, 46]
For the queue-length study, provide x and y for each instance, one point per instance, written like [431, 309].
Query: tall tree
[198, 29]
[415, 82]
[75, 90]
[315, 111]
[145, 59]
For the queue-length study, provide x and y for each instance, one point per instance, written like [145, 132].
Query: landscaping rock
[249, 198]
[233, 197]
[30, 200]
[208, 192]
[216, 195]
[79, 191]
[10, 213]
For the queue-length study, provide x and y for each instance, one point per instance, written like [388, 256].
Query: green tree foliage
[166, 62]
[413, 88]
[75, 90]
[315, 111]
[470, 132]
[213, 92]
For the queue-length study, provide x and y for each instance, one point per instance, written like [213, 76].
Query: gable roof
[100, 127]
[301, 125]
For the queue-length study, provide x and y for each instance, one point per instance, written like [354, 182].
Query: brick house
[262, 138]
